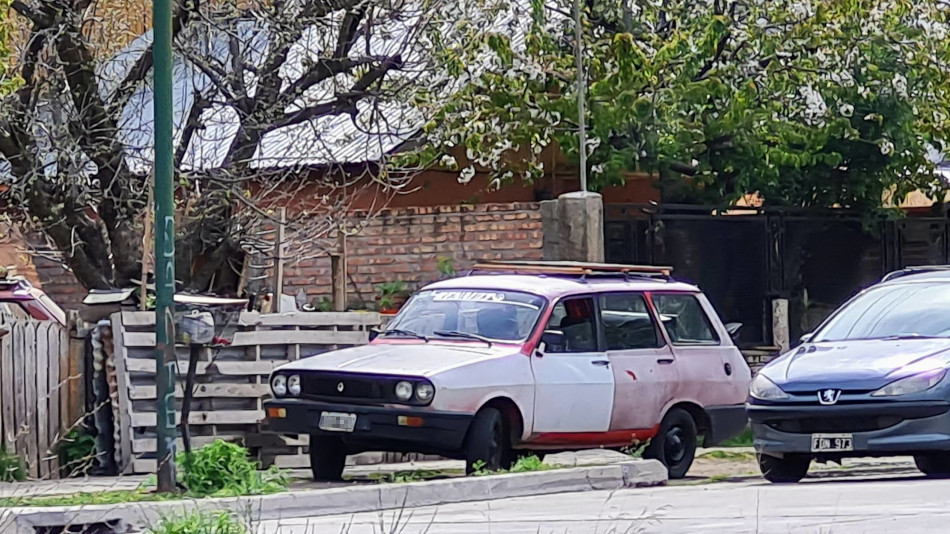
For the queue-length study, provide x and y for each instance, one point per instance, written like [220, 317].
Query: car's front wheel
[327, 458]
[487, 446]
[790, 469]
[675, 443]
[935, 464]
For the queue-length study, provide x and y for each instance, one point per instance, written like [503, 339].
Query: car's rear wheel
[675, 443]
[487, 446]
[788, 470]
[327, 458]
[935, 464]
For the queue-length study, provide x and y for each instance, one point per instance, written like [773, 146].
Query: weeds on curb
[223, 469]
[525, 464]
[200, 522]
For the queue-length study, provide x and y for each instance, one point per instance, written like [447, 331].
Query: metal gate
[744, 258]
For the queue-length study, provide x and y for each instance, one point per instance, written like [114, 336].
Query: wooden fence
[34, 411]
[231, 381]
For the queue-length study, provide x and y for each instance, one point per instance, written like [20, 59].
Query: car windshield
[893, 311]
[490, 315]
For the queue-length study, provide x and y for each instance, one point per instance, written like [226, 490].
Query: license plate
[832, 443]
[337, 422]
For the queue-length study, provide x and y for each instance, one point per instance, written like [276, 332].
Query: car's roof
[923, 276]
[553, 286]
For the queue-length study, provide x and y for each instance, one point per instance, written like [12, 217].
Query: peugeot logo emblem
[339, 387]
[827, 397]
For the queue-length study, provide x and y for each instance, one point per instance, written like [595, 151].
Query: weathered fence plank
[8, 392]
[30, 409]
[31, 431]
[19, 387]
[41, 348]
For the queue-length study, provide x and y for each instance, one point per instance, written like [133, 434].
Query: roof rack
[915, 270]
[573, 268]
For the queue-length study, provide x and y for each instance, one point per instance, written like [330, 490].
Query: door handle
[728, 368]
[602, 363]
[665, 361]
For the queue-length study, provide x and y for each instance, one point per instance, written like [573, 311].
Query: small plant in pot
[391, 296]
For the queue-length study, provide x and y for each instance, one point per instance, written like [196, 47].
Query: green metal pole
[165, 361]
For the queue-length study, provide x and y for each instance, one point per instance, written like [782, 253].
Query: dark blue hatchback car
[870, 381]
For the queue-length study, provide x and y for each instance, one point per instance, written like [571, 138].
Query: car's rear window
[920, 309]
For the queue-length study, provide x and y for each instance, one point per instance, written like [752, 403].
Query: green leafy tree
[7, 82]
[807, 103]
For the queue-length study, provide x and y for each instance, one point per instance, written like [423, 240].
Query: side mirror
[550, 338]
[373, 334]
[733, 330]
[806, 338]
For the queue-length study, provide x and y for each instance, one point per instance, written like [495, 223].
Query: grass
[83, 499]
[417, 475]
[220, 469]
[200, 522]
[525, 464]
[729, 455]
[742, 440]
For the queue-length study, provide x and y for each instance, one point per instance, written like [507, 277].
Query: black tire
[327, 458]
[487, 445]
[934, 465]
[675, 443]
[788, 470]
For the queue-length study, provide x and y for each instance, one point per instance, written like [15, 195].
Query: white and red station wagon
[525, 358]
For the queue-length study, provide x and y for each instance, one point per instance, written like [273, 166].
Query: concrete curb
[350, 500]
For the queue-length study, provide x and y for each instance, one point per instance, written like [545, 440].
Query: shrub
[11, 466]
[76, 451]
[198, 522]
[224, 469]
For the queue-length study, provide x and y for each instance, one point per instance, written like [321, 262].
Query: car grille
[328, 386]
[835, 424]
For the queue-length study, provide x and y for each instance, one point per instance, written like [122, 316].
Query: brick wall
[406, 244]
[59, 283]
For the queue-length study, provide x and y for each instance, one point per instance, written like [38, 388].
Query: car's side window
[575, 319]
[684, 319]
[628, 323]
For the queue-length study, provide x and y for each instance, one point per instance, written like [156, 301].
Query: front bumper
[377, 427]
[878, 428]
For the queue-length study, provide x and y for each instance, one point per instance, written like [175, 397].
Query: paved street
[894, 499]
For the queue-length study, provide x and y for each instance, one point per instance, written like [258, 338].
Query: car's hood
[856, 365]
[415, 359]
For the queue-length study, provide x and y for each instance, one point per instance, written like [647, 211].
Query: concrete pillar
[550, 242]
[780, 334]
[573, 227]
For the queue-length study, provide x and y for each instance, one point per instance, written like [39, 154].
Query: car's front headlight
[278, 385]
[293, 385]
[404, 390]
[764, 389]
[425, 391]
[911, 384]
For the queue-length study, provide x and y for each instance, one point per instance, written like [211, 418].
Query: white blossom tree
[807, 103]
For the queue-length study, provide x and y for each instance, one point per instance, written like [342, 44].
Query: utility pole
[581, 91]
[166, 365]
